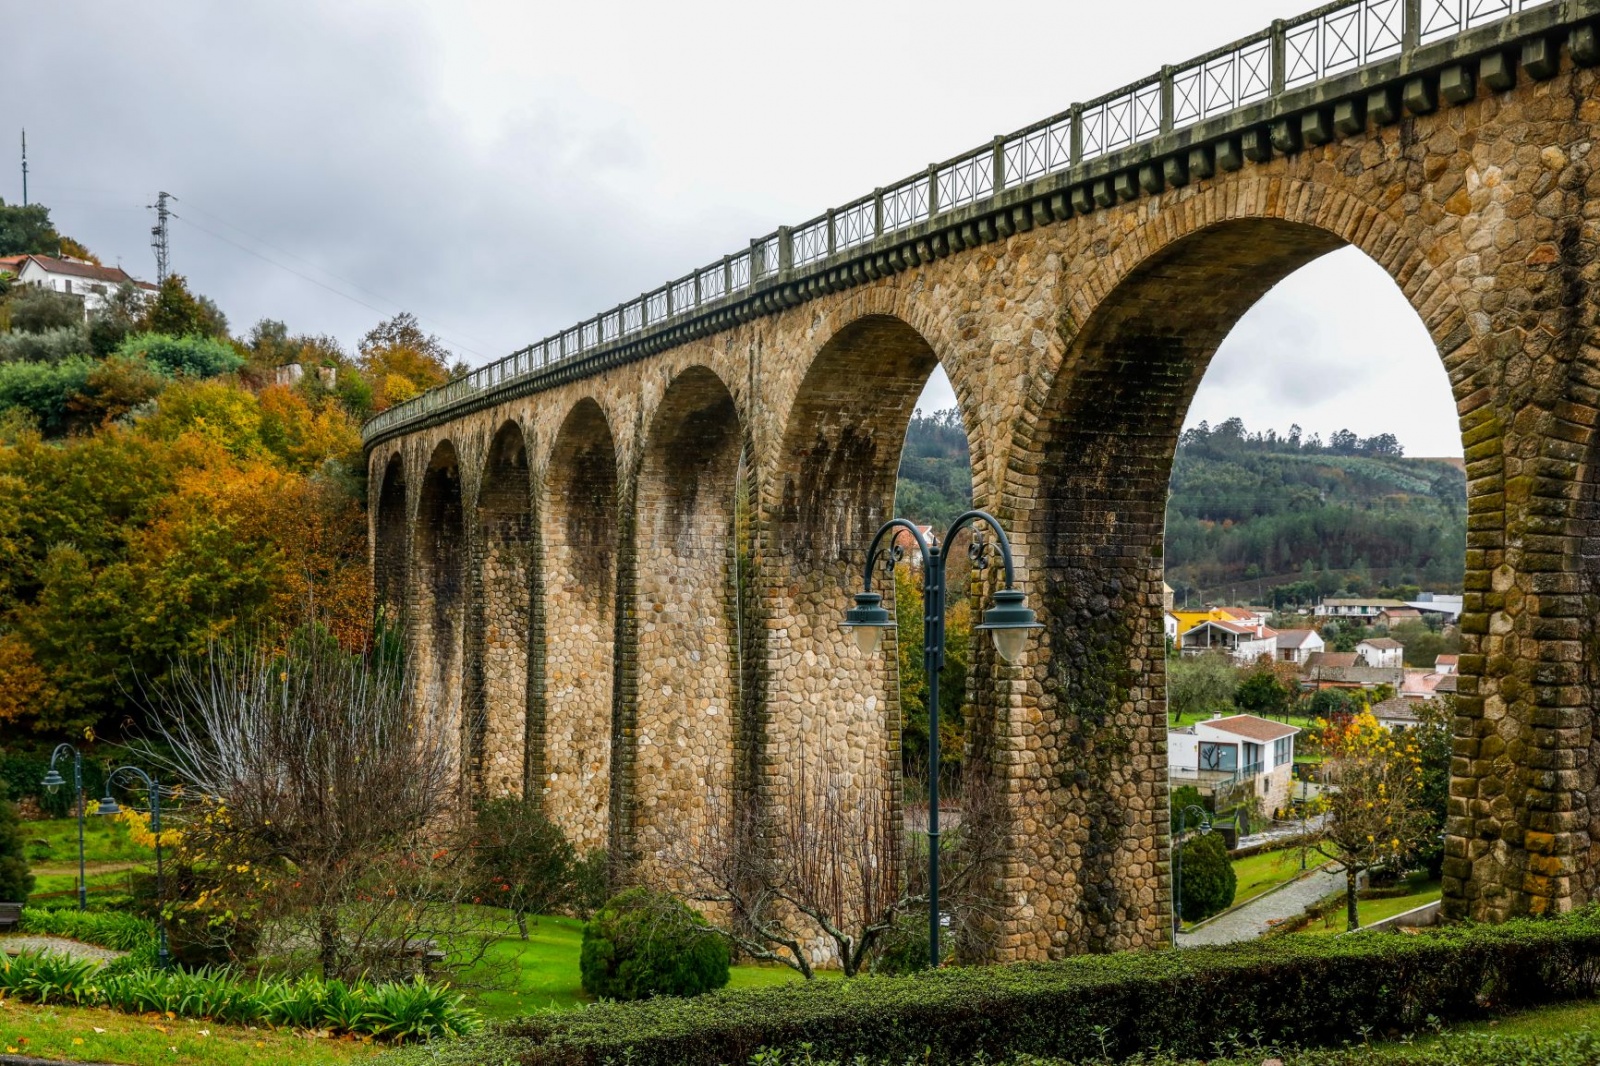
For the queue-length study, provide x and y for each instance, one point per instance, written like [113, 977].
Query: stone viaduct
[622, 555]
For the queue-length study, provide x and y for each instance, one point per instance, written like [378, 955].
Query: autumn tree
[1375, 805]
[1262, 692]
[401, 360]
[178, 312]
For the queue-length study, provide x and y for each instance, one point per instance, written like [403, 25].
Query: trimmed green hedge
[1291, 991]
[109, 929]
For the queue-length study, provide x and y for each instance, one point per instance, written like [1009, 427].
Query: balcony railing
[1333, 40]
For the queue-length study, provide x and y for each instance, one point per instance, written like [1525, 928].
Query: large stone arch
[503, 579]
[681, 723]
[391, 547]
[434, 624]
[580, 531]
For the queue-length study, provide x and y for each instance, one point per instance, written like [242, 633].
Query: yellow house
[1187, 620]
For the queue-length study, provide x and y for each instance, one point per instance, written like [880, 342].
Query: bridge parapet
[1271, 90]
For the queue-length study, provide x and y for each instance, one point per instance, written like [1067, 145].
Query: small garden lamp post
[1008, 622]
[108, 807]
[52, 783]
[1177, 863]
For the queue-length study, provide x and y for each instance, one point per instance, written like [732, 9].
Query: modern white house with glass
[1240, 750]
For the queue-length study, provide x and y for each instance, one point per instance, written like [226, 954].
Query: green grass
[86, 1034]
[105, 840]
[1419, 890]
[1268, 869]
[541, 973]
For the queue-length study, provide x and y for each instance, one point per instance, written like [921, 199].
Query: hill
[1249, 512]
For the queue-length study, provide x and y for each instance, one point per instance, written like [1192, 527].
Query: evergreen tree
[15, 879]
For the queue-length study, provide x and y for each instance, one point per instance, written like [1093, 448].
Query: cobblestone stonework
[1074, 345]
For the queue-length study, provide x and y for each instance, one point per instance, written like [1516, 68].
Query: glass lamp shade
[1008, 622]
[108, 807]
[53, 781]
[866, 621]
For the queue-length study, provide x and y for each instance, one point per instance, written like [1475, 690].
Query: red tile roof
[111, 275]
[1252, 728]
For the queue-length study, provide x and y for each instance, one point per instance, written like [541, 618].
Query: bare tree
[830, 863]
[318, 791]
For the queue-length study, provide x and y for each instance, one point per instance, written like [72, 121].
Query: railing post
[727, 276]
[833, 234]
[1077, 134]
[877, 212]
[669, 299]
[785, 250]
[1280, 56]
[757, 262]
[933, 190]
[999, 151]
[699, 298]
[1411, 26]
[1166, 99]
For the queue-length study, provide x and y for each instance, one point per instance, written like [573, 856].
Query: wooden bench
[10, 916]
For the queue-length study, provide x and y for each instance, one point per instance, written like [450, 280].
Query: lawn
[1419, 890]
[85, 1034]
[1267, 870]
[52, 850]
[542, 973]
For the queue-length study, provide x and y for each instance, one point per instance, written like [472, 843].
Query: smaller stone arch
[435, 622]
[391, 548]
[503, 551]
[573, 736]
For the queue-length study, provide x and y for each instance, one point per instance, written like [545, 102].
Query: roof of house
[1447, 683]
[1382, 643]
[1394, 709]
[1295, 638]
[1447, 660]
[1235, 612]
[1402, 612]
[1252, 728]
[1333, 659]
[1362, 603]
[1240, 629]
[79, 269]
[1420, 683]
[1356, 676]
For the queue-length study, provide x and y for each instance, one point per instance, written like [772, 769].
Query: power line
[307, 277]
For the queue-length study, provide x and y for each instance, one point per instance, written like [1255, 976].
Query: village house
[1243, 642]
[1333, 669]
[1396, 714]
[1446, 664]
[1420, 684]
[1297, 645]
[90, 282]
[1393, 616]
[1380, 651]
[1242, 749]
[1366, 611]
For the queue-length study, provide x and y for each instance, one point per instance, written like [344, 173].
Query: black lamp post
[53, 782]
[1177, 864]
[108, 806]
[1008, 622]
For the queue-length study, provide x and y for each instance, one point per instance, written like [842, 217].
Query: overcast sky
[505, 169]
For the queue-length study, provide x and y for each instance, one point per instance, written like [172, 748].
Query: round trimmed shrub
[644, 943]
[1208, 878]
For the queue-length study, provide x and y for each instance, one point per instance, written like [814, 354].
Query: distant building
[1396, 713]
[1169, 624]
[1341, 670]
[75, 277]
[1297, 645]
[1380, 651]
[1446, 664]
[1420, 684]
[1438, 604]
[1365, 610]
[1241, 750]
[907, 544]
[1393, 616]
[1243, 642]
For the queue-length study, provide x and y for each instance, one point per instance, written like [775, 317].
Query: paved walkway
[1252, 919]
[14, 945]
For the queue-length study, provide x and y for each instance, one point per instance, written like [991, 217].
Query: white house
[1381, 651]
[1242, 641]
[1446, 664]
[1297, 645]
[1365, 610]
[75, 277]
[1396, 714]
[1170, 624]
[1445, 606]
[1240, 749]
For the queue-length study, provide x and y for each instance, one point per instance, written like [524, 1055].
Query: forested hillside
[1251, 511]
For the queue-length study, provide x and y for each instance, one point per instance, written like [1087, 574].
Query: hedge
[1292, 991]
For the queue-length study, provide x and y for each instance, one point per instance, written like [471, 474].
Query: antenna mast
[158, 234]
[24, 168]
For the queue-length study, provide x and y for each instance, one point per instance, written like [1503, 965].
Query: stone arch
[438, 591]
[685, 715]
[503, 577]
[390, 548]
[579, 529]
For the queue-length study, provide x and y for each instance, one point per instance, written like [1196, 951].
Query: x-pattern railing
[1330, 41]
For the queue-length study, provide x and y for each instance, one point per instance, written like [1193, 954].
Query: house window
[1282, 750]
[1223, 757]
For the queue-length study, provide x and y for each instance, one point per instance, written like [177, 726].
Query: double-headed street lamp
[108, 806]
[53, 782]
[1008, 622]
[1177, 864]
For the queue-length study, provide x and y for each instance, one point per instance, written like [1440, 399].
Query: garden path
[15, 945]
[1252, 919]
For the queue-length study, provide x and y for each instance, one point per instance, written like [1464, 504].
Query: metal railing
[1217, 779]
[1330, 41]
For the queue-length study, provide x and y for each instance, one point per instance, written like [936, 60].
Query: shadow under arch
[497, 675]
[572, 732]
[1103, 450]
[685, 715]
[435, 624]
[389, 562]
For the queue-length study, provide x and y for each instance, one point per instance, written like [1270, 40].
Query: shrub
[51, 346]
[15, 879]
[591, 883]
[904, 948]
[1209, 882]
[644, 943]
[109, 929]
[35, 309]
[195, 356]
[43, 389]
[521, 860]
[1288, 990]
[414, 1010]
